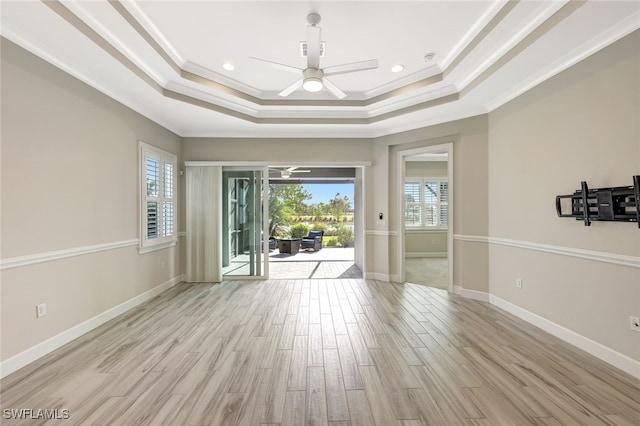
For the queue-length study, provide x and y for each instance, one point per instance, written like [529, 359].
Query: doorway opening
[425, 252]
[312, 222]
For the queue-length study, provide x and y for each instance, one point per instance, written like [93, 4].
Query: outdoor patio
[330, 262]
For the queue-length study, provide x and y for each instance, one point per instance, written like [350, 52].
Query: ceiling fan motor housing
[313, 18]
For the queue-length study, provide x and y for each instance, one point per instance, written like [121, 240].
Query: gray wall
[582, 124]
[69, 182]
[298, 150]
[470, 193]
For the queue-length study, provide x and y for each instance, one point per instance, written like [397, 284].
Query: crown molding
[588, 48]
[391, 106]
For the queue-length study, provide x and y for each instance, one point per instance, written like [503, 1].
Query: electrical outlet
[519, 282]
[634, 323]
[41, 310]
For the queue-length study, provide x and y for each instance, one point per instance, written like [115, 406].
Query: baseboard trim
[437, 254]
[36, 352]
[606, 354]
[471, 294]
[377, 276]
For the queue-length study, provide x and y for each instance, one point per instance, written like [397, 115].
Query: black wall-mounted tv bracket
[618, 204]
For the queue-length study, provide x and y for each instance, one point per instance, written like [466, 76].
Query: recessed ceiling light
[228, 66]
[397, 68]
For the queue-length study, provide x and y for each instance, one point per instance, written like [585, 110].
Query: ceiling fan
[286, 173]
[313, 77]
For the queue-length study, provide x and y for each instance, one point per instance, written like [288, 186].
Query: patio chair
[272, 242]
[312, 241]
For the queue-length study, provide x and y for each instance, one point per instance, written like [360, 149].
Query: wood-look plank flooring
[320, 352]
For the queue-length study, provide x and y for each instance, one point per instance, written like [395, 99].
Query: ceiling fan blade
[279, 66]
[289, 90]
[334, 89]
[313, 46]
[352, 67]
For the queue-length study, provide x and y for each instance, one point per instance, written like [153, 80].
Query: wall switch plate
[519, 282]
[634, 323]
[41, 310]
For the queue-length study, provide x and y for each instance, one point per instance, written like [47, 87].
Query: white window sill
[424, 230]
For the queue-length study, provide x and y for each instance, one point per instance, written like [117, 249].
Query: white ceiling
[164, 58]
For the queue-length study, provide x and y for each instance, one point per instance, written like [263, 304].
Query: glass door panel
[243, 223]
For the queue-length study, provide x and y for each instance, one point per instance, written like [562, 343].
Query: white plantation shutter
[444, 203]
[152, 166]
[157, 197]
[412, 204]
[426, 203]
[168, 202]
[430, 201]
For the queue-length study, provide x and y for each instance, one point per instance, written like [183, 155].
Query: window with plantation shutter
[412, 204]
[426, 203]
[157, 207]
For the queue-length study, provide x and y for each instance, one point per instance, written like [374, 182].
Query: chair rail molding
[31, 259]
[381, 233]
[612, 258]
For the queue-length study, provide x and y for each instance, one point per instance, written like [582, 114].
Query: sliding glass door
[243, 253]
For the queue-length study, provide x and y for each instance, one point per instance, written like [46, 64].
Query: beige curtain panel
[204, 224]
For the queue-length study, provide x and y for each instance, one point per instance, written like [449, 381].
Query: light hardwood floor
[317, 352]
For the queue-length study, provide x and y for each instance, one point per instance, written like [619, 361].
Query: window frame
[164, 159]
[423, 204]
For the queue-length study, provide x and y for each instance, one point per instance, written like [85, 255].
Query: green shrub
[299, 230]
[319, 226]
[345, 236]
[330, 241]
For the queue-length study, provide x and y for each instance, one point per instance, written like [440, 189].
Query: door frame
[359, 203]
[400, 177]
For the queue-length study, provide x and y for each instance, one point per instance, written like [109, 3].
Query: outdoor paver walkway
[330, 262]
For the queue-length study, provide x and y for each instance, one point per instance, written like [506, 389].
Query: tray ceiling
[165, 59]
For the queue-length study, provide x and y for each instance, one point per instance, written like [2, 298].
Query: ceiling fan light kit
[312, 80]
[312, 84]
[313, 77]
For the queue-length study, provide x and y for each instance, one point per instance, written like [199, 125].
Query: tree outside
[290, 214]
[286, 201]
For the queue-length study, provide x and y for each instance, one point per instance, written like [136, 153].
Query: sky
[324, 192]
